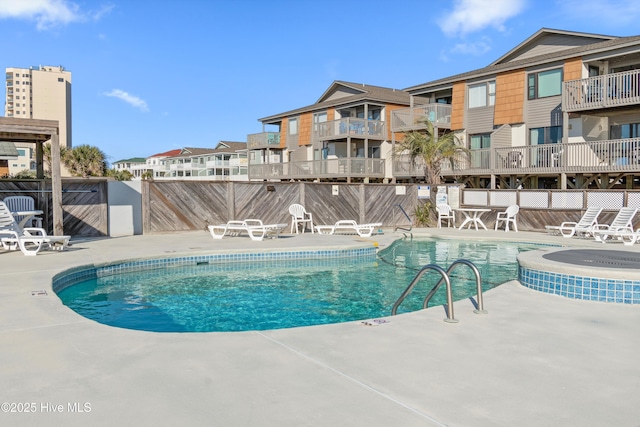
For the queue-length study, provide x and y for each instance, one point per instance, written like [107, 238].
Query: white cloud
[478, 48]
[469, 16]
[48, 13]
[128, 98]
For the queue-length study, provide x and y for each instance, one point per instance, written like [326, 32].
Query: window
[319, 118]
[480, 141]
[482, 95]
[629, 130]
[293, 126]
[545, 83]
[60, 79]
[547, 135]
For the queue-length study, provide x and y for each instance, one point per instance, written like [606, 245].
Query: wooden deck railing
[606, 91]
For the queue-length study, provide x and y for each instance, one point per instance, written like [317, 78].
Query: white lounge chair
[30, 240]
[253, 227]
[623, 222]
[583, 226]
[508, 217]
[23, 204]
[300, 216]
[445, 212]
[348, 225]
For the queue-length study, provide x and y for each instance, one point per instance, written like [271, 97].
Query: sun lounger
[348, 225]
[621, 224]
[253, 227]
[583, 227]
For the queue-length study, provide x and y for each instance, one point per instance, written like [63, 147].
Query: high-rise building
[42, 92]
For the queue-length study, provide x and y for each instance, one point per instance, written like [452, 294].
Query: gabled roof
[8, 151]
[589, 49]
[571, 38]
[346, 93]
[170, 153]
[230, 146]
[132, 160]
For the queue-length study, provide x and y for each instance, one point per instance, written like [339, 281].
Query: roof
[346, 93]
[170, 153]
[8, 151]
[132, 160]
[593, 48]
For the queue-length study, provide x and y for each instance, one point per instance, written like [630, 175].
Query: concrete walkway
[533, 360]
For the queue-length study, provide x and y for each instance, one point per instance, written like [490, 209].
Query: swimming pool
[287, 289]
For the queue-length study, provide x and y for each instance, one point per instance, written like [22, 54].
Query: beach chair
[508, 217]
[349, 226]
[23, 204]
[300, 216]
[30, 240]
[253, 227]
[583, 226]
[622, 223]
[445, 213]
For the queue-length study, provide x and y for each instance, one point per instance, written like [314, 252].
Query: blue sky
[152, 76]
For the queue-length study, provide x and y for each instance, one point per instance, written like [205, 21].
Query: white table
[472, 217]
[26, 216]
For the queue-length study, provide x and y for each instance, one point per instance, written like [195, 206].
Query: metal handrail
[416, 279]
[480, 309]
[410, 222]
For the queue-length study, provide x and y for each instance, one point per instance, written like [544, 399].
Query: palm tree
[431, 150]
[46, 157]
[85, 161]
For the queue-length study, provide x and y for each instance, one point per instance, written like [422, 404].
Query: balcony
[606, 91]
[613, 156]
[263, 140]
[408, 119]
[349, 127]
[355, 167]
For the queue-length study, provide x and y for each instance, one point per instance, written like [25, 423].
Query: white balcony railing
[349, 127]
[330, 168]
[263, 140]
[614, 156]
[413, 118]
[606, 91]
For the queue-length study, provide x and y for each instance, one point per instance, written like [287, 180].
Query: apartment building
[559, 110]
[226, 162]
[42, 92]
[344, 136]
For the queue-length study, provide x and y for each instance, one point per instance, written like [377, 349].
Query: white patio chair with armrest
[445, 212]
[584, 225]
[508, 217]
[623, 222]
[21, 204]
[29, 240]
[300, 216]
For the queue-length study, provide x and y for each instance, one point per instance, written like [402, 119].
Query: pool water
[288, 293]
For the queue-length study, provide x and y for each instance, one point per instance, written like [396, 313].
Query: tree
[123, 175]
[85, 161]
[46, 157]
[431, 150]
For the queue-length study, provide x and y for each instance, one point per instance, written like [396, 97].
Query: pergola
[38, 132]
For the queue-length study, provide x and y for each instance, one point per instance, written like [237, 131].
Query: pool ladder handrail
[446, 279]
[410, 222]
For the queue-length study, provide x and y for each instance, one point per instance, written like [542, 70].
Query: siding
[510, 90]
[458, 105]
[479, 120]
[544, 112]
[501, 137]
[305, 122]
[572, 69]
[552, 43]
[284, 132]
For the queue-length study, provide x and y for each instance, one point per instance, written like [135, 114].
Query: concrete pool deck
[534, 360]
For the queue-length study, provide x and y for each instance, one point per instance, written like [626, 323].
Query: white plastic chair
[23, 203]
[300, 216]
[445, 212]
[508, 217]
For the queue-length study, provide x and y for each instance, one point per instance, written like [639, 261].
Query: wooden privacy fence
[192, 205]
[84, 203]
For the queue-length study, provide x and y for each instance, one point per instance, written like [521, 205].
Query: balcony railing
[606, 91]
[356, 167]
[408, 119]
[349, 127]
[263, 140]
[614, 156]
